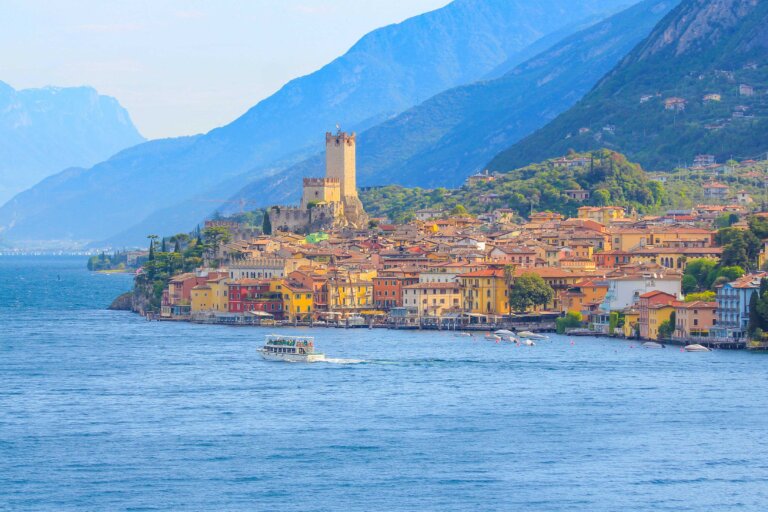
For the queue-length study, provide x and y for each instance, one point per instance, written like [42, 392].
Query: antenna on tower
[338, 127]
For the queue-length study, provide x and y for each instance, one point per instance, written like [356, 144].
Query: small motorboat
[531, 335]
[696, 348]
[463, 335]
[652, 344]
[503, 332]
[528, 343]
[493, 337]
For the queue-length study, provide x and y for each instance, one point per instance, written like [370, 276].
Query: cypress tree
[266, 227]
[163, 247]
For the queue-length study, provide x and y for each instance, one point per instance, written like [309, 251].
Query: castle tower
[340, 164]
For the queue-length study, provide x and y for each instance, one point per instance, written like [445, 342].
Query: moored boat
[696, 348]
[652, 344]
[291, 349]
[531, 335]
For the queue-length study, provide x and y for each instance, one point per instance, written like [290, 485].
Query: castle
[329, 202]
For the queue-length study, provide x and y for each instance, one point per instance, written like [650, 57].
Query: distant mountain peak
[697, 24]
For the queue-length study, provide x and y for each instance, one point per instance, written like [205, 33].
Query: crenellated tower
[340, 163]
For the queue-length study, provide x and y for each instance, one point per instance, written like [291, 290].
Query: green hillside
[608, 177]
[701, 48]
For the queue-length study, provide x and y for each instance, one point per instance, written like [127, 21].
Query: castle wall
[327, 190]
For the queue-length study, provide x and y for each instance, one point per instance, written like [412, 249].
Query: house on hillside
[746, 90]
[715, 191]
[713, 98]
[675, 104]
[577, 194]
[703, 160]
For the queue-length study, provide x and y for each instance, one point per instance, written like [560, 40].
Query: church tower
[340, 164]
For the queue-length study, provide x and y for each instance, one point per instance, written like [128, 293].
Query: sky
[183, 67]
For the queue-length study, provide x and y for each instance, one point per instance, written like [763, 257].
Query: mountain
[43, 131]
[696, 85]
[386, 72]
[443, 140]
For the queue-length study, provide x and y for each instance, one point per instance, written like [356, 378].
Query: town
[606, 271]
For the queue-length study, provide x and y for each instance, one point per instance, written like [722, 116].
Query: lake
[103, 410]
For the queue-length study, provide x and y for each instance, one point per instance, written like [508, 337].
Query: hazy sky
[183, 67]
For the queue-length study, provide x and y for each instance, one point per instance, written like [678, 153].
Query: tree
[266, 226]
[689, 284]
[571, 320]
[214, 238]
[707, 296]
[698, 269]
[528, 291]
[735, 253]
[459, 211]
[667, 328]
[152, 239]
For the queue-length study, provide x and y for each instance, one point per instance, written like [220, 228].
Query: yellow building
[202, 296]
[211, 297]
[432, 299]
[220, 294]
[602, 214]
[631, 320]
[485, 292]
[298, 302]
[630, 239]
[657, 315]
[349, 297]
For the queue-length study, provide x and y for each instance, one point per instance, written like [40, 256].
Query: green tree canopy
[528, 291]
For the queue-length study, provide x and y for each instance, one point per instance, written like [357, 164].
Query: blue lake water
[105, 411]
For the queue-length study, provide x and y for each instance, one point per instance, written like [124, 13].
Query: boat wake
[334, 360]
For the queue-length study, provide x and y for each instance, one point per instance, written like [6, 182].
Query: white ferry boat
[291, 349]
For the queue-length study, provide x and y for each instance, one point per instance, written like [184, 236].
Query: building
[625, 290]
[733, 306]
[428, 214]
[432, 299]
[694, 320]
[577, 194]
[327, 202]
[388, 288]
[746, 90]
[744, 197]
[253, 296]
[267, 267]
[675, 104]
[655, 308]
[712, 98]
[480, 177]
[485, 292]
[715, 191]
[601, 214]
[703, 160]
[298, 303]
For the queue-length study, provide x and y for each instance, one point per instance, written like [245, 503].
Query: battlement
[339, 138]
[322, 182]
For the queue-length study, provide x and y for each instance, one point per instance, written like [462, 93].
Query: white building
[624, 291]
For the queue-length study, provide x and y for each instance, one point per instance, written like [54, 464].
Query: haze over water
[105, 411]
